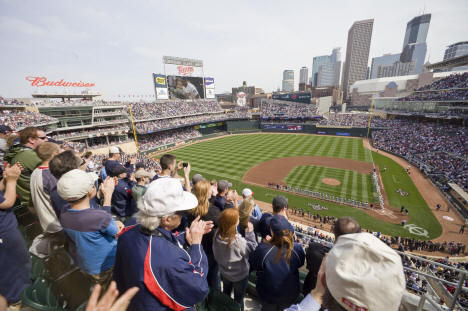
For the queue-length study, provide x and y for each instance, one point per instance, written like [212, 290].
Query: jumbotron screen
[185, 87]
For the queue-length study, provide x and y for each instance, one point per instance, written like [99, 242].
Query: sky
[118, 44]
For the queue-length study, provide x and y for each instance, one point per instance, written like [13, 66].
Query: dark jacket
[170, 277]
[221, 203]
[123, 204]
[277, 282]
[314, 256]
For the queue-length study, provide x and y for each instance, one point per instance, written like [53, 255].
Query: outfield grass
[231, 157]
[353, 185]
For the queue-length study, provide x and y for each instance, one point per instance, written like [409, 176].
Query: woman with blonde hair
[207, 211]
[231, 252]
[245, 213]
[277, 263]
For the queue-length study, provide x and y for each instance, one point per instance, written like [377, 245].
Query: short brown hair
[345, 225]
[47, 150]
[27, 133]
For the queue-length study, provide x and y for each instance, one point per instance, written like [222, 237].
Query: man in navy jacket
[169, 268]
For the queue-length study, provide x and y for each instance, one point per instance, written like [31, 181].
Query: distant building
[241, 95]
[456, 50]
[328, 73]
[288, 81]
[414, 43]
[384, 60]
[303, 75]
[357, 54]
[316, 63]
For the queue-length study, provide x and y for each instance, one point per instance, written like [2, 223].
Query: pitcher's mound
[331, 181]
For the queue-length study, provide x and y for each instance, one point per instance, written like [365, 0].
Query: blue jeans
[239, 289]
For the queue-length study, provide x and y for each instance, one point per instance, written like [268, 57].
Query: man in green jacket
[24, 153]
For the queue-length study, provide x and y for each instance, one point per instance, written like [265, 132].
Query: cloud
[11, 25]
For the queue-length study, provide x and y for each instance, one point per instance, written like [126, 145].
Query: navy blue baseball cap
[279, 223]
[263, 227]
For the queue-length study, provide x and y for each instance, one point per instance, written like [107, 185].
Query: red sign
[185, 70]
[42, 81]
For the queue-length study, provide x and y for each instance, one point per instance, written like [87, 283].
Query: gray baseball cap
[223, 185]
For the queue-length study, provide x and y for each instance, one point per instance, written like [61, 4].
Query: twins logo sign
[413, 229]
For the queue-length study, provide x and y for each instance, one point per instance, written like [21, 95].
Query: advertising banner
[241, 99]
[160, 86]
[185, 87]
[289, 127]
[209, 88]
[300, 97]
[161, 93]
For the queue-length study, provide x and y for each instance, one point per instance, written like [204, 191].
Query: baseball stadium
[341, 199]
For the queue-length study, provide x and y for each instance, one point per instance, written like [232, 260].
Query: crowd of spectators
[451, 88]
[18, 120]
[346, 119]
[172, 109]
[157, 125]
[450, 82]
[286, 110]
[154, 140]
[438, 149]
[92, 132]
[11, 102]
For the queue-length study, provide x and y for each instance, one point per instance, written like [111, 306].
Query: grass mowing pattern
[353, 185]
[230, 157]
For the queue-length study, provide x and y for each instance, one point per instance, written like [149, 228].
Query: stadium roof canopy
[449, 63]
[66, 96]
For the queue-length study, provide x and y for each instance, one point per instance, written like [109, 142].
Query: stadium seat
[40, 296]
[37, 267]
[217, 301]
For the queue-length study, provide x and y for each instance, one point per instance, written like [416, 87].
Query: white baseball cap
[165, 196]
[75, 184]
[114, 150]
[363, 272]
[247, 192]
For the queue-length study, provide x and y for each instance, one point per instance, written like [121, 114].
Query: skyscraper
[414, 44]
[316, 63]
[288, 81]
[357, 54]
[303, 75]
[329, 73]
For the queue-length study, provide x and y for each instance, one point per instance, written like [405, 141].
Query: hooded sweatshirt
[233, 260]
[29, 160]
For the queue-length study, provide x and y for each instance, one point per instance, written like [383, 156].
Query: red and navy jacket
[122, 201]
[170, 274]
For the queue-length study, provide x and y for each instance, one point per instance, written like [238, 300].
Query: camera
[185, 164]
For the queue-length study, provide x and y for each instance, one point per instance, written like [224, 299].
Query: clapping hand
[108, 301]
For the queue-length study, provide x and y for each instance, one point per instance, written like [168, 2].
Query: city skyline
[118, 50]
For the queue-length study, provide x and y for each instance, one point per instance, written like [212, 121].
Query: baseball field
[338, 166]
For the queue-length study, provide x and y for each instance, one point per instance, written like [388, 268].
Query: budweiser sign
[185, 70]
[42, 81]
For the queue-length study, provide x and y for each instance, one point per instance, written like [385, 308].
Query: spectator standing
[231, 252]
[14, 256]
[225, 199]
[24, 153]
[256, 212]
[123, 205]
[93, 231]
[42, 183]
[207, 212]
[177, 280]
[142, 180]
[277, 263]
[316, 251]
[113, 160]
